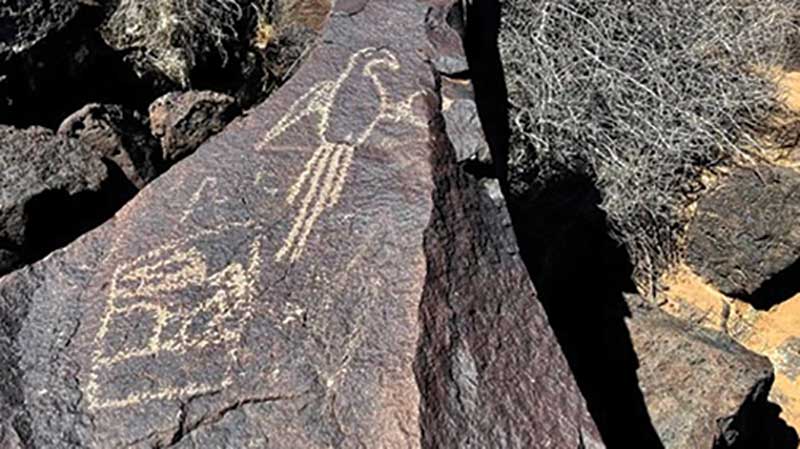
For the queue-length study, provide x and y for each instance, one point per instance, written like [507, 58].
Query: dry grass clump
[175, 37]
[642, 97]
[175, 34]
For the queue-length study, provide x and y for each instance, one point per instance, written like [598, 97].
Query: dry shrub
[640, 96]
[175, 35]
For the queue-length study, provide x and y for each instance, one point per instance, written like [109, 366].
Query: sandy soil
[774, 333]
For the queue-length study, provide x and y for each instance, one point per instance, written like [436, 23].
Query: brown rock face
[184, 120]
[702, 389]
[746, 233]
[321, 274]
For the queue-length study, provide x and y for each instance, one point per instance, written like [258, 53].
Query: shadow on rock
[770, 432]
[780, 288]
[486, 74]
[578, 270]
[581, 274]
[56, 218]
[69, 69]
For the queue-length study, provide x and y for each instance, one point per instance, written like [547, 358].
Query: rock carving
[187, 306]
[326, 170]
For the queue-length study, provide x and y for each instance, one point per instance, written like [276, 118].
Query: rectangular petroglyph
[166, 308]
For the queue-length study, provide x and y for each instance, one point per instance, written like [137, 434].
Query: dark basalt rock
[24, 23]
[320, 274]
[701, 388]
[746, 231]
[119, 135]
[463, 124]
[51, 190]
[184, 120]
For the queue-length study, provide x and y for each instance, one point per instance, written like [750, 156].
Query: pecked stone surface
[320, 274]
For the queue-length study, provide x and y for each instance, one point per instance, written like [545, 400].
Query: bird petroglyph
[326, 171]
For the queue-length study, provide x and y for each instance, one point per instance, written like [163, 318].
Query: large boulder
[118, 135]
[52, 189]
[746, 233]
[701, 388]
[320, 274]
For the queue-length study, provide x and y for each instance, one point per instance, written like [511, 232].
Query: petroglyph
[180, 303]
[325, 172]
[207, 183]
[188, 306]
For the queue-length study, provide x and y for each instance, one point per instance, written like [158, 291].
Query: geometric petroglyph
[184, 307]
[172, 312]
[326, 170]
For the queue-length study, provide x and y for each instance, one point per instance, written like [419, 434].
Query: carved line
[234, 280]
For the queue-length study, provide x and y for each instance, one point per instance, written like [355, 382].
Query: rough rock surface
[701, 388]
[746, 231]
[43, 176]
[320, 274]
[118, 135]
[24, 23]
[463, 124]
[184, 120]
[310, 14]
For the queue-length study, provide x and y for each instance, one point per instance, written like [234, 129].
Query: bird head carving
[378, 58]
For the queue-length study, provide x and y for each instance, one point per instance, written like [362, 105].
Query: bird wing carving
[310, 102]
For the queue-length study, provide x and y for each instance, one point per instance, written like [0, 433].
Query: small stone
[184, 120]
[462, 122]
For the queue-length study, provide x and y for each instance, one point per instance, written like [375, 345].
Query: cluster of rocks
[339, 268]
[87, 122]
[57, 185]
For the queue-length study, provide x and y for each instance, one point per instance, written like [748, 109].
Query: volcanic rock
[701, 388]
[184, 120]
[320, 274]
[746, 231]
[310, 14]
[25, 23]
[119, 135]
[463, 124]
[52, 189]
